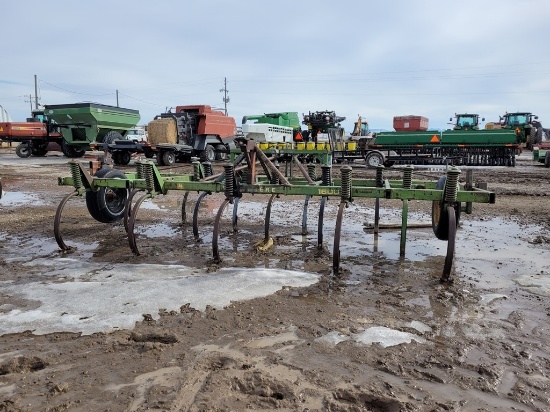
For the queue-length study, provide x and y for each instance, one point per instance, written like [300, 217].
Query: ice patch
[88, 298]
[419, 326]
[333, 338]
[536, 284]
[386, 337]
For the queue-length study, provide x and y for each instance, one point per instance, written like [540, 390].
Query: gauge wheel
[23, 150]
[440, 213]
[107, 204]
[374, 159]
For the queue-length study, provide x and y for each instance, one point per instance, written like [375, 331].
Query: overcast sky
[375, 58]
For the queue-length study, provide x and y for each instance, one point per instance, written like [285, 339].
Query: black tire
[168, 158]
[39, 151]
[107, 204]
[124, 158]
[221, 153]
[440, 213]
[23, 150]
[149, 154]
[71, 151]
[210, 153]
[532, 138]
[547, 159]
[160, 162]
[374, 159]
[111, 137]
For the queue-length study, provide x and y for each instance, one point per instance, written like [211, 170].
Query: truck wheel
[374, 159]
[107, 204]
[149, 154]
[440, 214]
[23, 150]
[210, 153]
[124, 158]
[168, 158]
[547, 159]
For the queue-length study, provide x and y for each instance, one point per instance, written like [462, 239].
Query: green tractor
[466, 121]
[525, 126]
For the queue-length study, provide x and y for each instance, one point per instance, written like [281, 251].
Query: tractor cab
[466, 121]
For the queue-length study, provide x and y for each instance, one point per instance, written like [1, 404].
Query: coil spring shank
[379, 176]
[196, 170]
[326, 177]
[345, 193]
[311, 171]
[140, 170]
[451, 188]
[77, 177]
[149, 177]
[208, 171]
[407, 177]
[229, 172]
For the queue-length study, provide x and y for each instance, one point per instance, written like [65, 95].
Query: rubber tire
[440, 214]
[71, 151]
[149, 154]
[221, 152]
[39, 151]
[547, 159]
[111, 137]
[107, 205]
[124, 158]
[160, 162]
[168, 158]
[23, 150]
[374, 159]
[210, 153]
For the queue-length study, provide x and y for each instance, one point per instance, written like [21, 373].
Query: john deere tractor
[528, 129]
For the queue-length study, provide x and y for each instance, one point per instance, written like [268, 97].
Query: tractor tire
[374, 159]
[168, 158]
[440, 214]
[210, 153]
[107, 204]
[547, 159]
[532, 138]
[71, 151]
[221, 152]
[110, 138]
[39, 151]
[539, 134]
[23, 150]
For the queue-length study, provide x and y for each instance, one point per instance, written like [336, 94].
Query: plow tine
[215, 234]
[196, 216]
[132, 223]
[183, 210]
[235, 217]
[304, 215]
[57, 222]
[337, 233]
[450, 245]
[320, 222]
[128, 208]
[267, 219]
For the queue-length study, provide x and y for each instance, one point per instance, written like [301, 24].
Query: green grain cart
[83, 123]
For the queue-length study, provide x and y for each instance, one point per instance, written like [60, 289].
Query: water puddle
[13, 199]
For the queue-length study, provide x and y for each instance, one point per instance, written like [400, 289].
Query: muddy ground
[479, 343]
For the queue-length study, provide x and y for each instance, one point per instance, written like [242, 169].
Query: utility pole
[117, 99]
[29, 101]
[35, 93]
[225, 96]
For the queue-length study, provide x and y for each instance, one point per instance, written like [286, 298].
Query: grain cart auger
[109, 194]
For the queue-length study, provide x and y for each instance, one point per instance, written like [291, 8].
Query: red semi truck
[194, 130]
